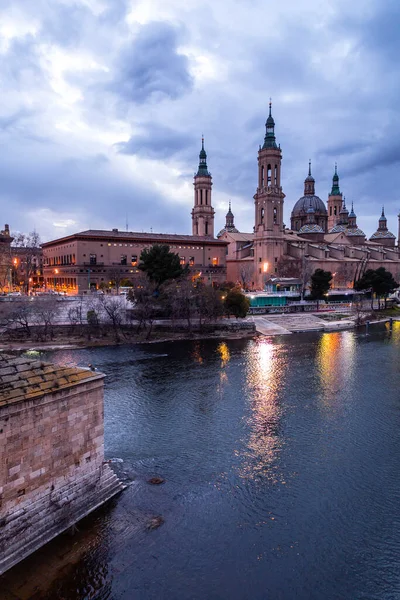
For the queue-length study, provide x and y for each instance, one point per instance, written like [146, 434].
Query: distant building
[320, 236]
[5, 258]
[90, 259]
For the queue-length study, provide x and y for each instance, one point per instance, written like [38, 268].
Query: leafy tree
[320, 284]
[160, 264]
[380, 281]
[236, 303]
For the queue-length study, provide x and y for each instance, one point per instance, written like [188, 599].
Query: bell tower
[268, 204]
[202, 212]
[334, 202]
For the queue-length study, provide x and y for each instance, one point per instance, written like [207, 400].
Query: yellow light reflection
[394, 332]
[224, 353]
[335, 360]
[264, 375]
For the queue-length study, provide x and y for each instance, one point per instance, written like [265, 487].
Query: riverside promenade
[284, 324]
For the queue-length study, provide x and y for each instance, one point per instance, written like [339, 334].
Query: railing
[91, 264]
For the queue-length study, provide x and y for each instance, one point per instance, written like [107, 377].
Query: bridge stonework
[52, 469]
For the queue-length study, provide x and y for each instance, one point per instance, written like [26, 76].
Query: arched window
[275, 214]
[206, 227]
[262, 216]
[269, 175]
[197, 228]
[262, 176]
[276, 175]
[330, 211]
[201, 196]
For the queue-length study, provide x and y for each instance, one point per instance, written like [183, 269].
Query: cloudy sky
[103, 104]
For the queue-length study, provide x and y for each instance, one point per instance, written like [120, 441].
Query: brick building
[90, 259]
[52, 470]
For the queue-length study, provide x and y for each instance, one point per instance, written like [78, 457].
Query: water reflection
[335, 364]
[394, 332]
[224, 353]
[196, 353]
[264, 371]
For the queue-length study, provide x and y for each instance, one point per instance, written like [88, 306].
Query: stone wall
[52, 470]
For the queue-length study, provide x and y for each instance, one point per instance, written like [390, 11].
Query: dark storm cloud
[85, 187]
[331, 69]
[158, 142]
[151, 68]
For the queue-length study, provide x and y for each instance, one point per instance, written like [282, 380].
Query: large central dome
[306, 203]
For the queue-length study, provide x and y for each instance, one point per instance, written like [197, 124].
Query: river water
[281, 460]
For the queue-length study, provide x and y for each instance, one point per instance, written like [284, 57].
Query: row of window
[66, 259]
[202, 195]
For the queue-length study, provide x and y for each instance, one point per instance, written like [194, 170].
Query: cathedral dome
[311, 228]
[338, 229]
[355, 231]
[382, 235]
[304, 203]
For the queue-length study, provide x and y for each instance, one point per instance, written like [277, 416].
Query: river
[281, 460]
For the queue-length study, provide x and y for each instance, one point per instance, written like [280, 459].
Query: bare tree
[116, 276]
[358, 309]
[209, 304]
[182, 300]
[45, 312]
[76, 315]
[113, 310]
[289, 266]
[144, 304]
[246, 273]
[344, 274]
[305, 274]
[21, 315]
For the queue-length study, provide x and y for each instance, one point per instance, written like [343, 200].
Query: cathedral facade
[321, 235]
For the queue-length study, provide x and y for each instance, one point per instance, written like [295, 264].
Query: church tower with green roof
[335, 201]
[202, 212]
[268, 203]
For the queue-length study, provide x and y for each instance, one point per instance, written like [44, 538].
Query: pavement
[285, 324]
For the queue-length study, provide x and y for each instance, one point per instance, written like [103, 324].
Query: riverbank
[265, 325]
[63, 339]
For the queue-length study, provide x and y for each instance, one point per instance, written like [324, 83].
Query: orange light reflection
[264, 375]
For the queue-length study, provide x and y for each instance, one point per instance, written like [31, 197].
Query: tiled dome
[338, 229]
[382, 235]
[311, 228]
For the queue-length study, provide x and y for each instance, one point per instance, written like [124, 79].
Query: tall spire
[309, 182]
[202, 170]
[382, 221]
[335, 184]
[269, 140]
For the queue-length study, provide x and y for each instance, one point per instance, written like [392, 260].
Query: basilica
[321, 235]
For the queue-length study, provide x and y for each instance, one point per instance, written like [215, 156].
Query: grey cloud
[151, 68]
[157, 142]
